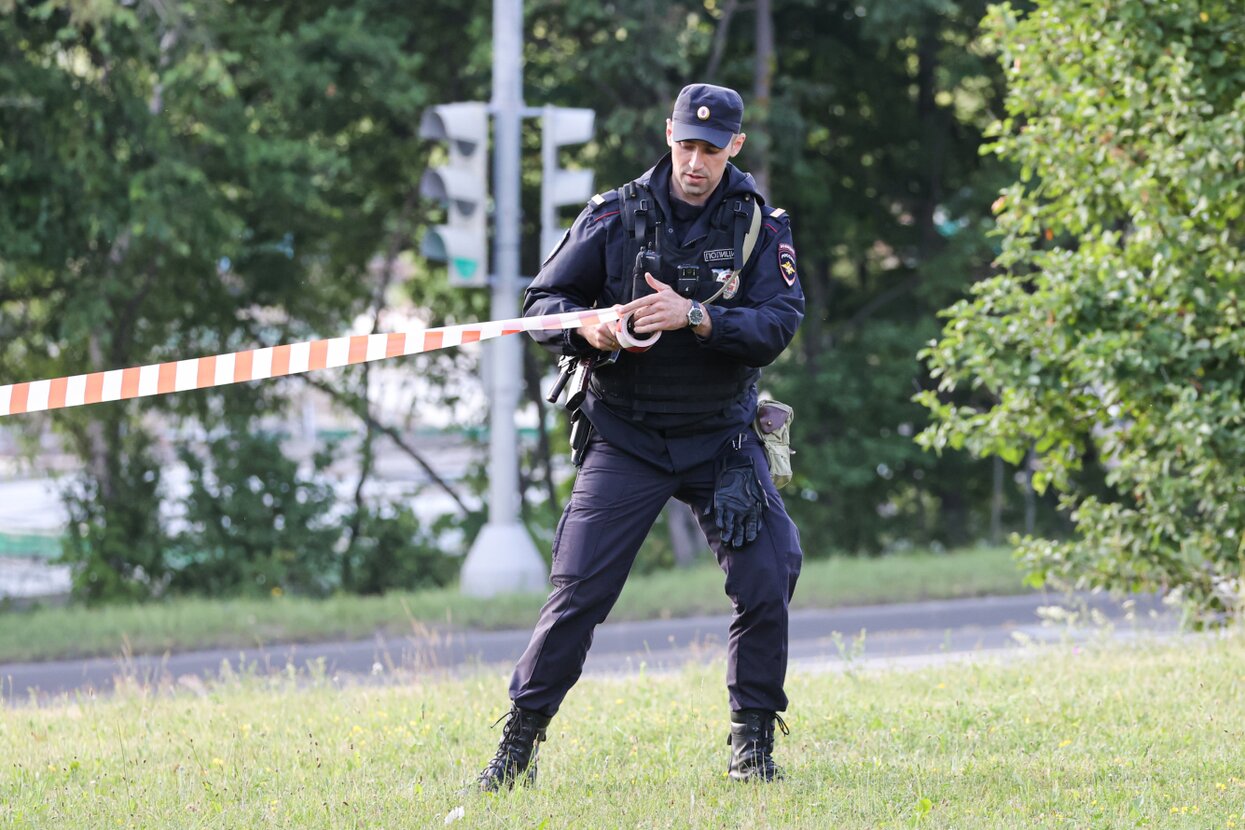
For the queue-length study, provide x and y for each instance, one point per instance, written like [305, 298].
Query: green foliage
[255, 525]
[258, 525]
[115, 539]
[879, 166]
[184, 178]
[390, 549]
[1114, 333]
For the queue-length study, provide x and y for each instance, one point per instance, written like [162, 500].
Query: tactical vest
[678, 376]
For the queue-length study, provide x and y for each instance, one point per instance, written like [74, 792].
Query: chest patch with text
[720, 255]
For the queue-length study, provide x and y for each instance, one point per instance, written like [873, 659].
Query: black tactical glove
[738, 501]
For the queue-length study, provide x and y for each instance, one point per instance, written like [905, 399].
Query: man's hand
[664, 310]
[600, 336]
[739, 502]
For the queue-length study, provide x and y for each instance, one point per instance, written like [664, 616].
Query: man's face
[698, 165]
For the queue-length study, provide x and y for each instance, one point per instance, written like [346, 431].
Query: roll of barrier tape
[631, 341]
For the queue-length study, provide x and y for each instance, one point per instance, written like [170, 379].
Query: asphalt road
[911, 632]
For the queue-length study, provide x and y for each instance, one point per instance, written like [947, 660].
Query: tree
[184, 178]
[243, 162]
[1113, 335]
[876, 124]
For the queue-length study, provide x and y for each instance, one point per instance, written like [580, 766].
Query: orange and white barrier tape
[270, 362]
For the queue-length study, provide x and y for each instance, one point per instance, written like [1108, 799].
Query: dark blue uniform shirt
[588, 270]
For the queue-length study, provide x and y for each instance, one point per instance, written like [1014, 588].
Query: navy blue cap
[704, 112]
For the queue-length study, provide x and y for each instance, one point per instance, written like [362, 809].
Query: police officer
[692, 256]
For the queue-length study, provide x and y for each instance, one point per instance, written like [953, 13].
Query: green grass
[1105, 736]
[49, 633]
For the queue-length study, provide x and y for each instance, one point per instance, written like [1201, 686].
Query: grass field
[49, 633]
[1105, 736]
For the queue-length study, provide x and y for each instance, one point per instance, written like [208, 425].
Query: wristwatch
[695, 314]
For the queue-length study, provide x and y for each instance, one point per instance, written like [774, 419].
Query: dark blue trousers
[616, 499]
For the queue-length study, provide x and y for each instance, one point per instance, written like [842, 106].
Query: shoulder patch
[776, 213]
[786, 263]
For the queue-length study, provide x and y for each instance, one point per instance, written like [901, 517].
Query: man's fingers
[600, 336]
[644, 303]
[649, 323]
[635, 305]
[662, 311]
[752, 528]
[656, 284]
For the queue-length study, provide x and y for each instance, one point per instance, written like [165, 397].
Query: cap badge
[703, 113]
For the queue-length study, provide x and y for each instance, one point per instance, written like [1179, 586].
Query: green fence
[42, 546]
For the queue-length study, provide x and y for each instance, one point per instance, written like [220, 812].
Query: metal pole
[507, 373]
[548, 211]
[503, 558]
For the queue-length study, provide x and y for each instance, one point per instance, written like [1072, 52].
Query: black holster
[581, 431]
[575, 377]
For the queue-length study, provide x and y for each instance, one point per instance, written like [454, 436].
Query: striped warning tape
[270, 362]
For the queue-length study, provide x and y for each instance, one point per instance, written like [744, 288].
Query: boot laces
[766, 746]
[511, 735]
[767, 728]
[508, 733]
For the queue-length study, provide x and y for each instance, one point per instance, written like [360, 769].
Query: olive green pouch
[773, 427]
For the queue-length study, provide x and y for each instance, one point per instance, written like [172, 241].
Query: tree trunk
[996, 504]
[719, 40]
[367, 450]
[934, 126]
[1030, 494]
[97, 441]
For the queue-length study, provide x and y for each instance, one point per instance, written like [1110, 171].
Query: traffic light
[559, 126]
[462, 243]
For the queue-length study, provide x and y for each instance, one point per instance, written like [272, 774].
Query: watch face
[696, 315]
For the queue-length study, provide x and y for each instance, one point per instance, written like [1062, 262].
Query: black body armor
[677, 375]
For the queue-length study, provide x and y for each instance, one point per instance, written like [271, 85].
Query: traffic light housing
[462, 242]
[560, 126]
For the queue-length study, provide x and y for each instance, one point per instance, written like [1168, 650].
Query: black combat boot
[516, 754]
[752, 745]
